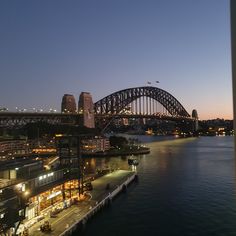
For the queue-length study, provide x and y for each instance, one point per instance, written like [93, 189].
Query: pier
[76, 216]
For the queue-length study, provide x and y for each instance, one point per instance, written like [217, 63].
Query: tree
[117, 141]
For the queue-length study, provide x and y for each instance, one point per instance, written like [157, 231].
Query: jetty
[76, 216]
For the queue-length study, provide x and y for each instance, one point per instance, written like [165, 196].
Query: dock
[76, 216]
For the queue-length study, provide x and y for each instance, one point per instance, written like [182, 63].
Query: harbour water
[185, 187]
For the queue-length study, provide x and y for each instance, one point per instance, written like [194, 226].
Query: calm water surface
[186, 187]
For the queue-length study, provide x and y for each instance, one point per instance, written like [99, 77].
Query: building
[34, 187]
[96, 144]
[22, 147]
[195, 117]
[12, 147]
[86, 108]
[68, 104]
[28, 191]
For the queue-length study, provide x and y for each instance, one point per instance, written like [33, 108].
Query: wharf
[116, 152]
[77, 215]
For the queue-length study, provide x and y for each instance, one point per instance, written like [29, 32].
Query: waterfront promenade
[68, 218]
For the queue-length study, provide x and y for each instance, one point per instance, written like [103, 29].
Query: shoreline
[114, 153]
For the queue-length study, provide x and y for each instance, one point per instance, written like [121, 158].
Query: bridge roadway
[22, 118]
[74, 213]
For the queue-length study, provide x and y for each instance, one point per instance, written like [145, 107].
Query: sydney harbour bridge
[139, 102]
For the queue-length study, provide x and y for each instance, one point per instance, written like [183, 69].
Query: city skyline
[52, 48]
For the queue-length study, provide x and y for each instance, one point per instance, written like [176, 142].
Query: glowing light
[53, 195]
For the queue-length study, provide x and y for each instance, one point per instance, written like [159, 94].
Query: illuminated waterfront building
[12, 148]
[28, 190]
[96, 144]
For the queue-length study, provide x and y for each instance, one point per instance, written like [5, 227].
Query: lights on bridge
[52, 110]
[46, 176]
[2, 109]
[30, 110]
[21, 109]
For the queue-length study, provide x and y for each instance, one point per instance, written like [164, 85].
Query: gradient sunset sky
[52, 47]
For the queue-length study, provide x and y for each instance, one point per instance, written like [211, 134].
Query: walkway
[75, 212]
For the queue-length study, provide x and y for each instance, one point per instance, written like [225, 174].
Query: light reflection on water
[186, 187]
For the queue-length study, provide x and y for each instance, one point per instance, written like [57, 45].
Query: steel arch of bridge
[115, 102]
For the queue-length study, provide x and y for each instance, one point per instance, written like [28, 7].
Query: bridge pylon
[86, 108]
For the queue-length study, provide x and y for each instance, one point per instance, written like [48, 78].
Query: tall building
[195, 117]
[86, 107]
[68, 104]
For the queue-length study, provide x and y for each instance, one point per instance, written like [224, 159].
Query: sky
[52, 47]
